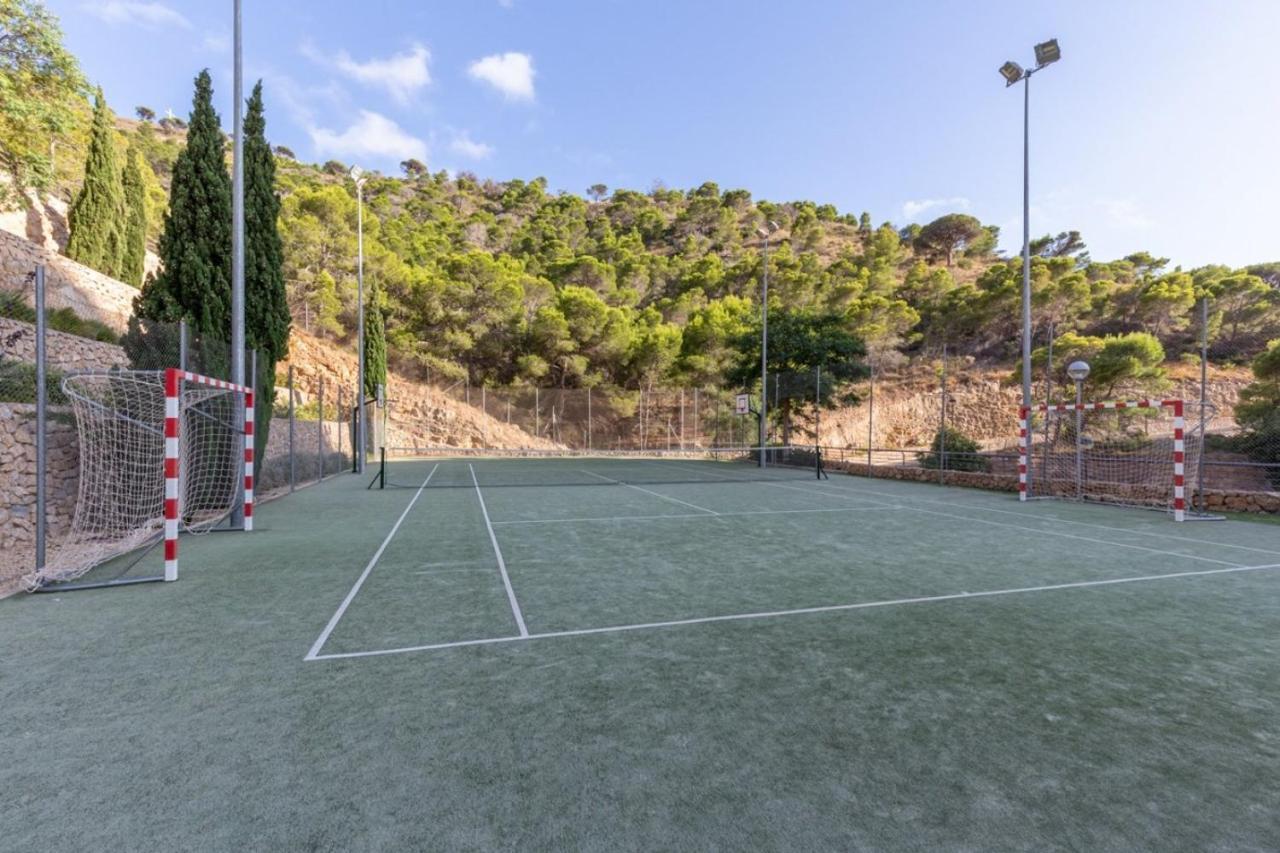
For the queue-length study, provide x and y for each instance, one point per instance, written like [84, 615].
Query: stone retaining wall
[64, 351]
[68, 284]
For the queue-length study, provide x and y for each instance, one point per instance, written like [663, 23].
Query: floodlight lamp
[1011, 72]
[1047, 52]
[357, 174]
[1078, 370]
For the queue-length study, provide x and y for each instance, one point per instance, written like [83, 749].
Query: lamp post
[764, 233]
[1079, 372]
[1046, 54]
[357, 175]
[237, 227]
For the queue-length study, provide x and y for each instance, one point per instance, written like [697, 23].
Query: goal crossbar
[1176, 459]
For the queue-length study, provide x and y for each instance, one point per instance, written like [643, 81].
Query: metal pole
[697, 424]
[682, 419]
[1026, 255]
[320, 427]
[293, 457]
[537, 413]
[871, 414]
[942, 424]
[1079, 438]
[183, 345]
[764, 352]
[1048, 400]
[41, 421]
[341, 427]
[360, 395]
[588, 417]
[1204, 400]
[237, 235]
[817, 407]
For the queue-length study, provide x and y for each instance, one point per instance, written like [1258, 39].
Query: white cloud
[401, 75]
[464, 146]
[217, 42]
[150, 15]
[510, 73]
[374, 136]
[912, 209]
[1124, 213]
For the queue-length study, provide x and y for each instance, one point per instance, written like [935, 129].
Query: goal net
[1131, 453]
[160, 452]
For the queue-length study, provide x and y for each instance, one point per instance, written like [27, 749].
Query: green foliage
[954, 451]
[946, 235]
[1258, 411]
[18, 383]
[97, 216]
[195, 248]
[13, 306]
[134, 260]
[266, 309]
[40, 94]
[375, 349]
[1133, 362]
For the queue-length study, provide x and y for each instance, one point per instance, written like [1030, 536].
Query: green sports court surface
[597, 653]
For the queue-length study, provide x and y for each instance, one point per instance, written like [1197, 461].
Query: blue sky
[1159, 129]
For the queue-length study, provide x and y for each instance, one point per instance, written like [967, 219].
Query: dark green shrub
[962, 453]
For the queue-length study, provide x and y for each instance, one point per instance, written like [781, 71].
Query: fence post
[817, 407]
[340, 425]
[871, 413]
[1201, 502]
[293, 466]
[537, 413]
[1048, 401]
[41, 421]
[320, 427]
[588, 417]
[484, 407]
[682, 419]
[942, 424]
[183, 345]
[697, 425]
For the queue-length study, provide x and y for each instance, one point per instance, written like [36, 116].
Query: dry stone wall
[68, 284]
[64, 352]
[18, 485]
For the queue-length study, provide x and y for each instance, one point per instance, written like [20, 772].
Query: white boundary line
[373, 561]
[773, 614]
[647, 492]
[497, 552]
[684, 515]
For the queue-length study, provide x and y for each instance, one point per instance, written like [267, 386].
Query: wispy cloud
[1124, 213]
[400, 75]
[149, 15]
[216, 42]
[913, 208]
[464, 146]
[372, 135]
[510, 73]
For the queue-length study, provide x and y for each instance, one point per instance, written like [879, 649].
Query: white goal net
[1132, 453]
[160, 452]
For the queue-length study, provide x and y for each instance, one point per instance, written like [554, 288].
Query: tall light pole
[1046, 54]
[357, 175]
[764, 232]
[237, 220]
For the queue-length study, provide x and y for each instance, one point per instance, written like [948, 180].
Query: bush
[961, 453]
[15, 307]
[18, 383]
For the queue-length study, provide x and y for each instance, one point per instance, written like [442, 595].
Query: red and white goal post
[173, 510]
[161, 452]
[1125, 452]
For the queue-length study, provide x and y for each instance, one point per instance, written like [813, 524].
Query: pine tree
[96, 217]
[195, 246]
[135, 224]
[266, 308]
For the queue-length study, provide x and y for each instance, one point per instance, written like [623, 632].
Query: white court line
[346, 602]
[647, 492]
[497, 552]
[685, 515]
[773, 614]
[1155, 533]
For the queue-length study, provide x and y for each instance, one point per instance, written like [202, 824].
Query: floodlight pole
[1026, 253]
[360, 395]
[764, 353]
[237, 227]
[1079, 439]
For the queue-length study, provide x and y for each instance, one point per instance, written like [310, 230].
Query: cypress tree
[96, 218]
[375, 346]
[135, 223]
[266, 318]
[195, 246]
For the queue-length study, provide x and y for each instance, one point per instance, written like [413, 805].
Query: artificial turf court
[725, 662]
